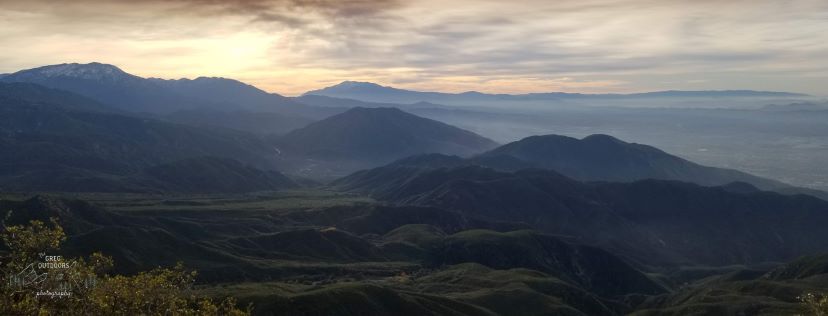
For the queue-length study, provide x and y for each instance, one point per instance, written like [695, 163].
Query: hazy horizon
[292, 46]
[300, 93]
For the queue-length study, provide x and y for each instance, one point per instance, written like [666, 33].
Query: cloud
[290, 46]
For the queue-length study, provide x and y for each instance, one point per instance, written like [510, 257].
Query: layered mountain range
[651, 221]
[371, 92]
[324, 205]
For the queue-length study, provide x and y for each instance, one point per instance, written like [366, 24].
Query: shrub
[79, 286]
[815, 304]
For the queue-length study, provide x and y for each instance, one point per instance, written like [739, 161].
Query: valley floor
[319, 252]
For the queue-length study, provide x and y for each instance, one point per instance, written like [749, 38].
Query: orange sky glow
[292, 46]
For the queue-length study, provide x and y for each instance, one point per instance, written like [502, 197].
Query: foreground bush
[35, 281]
[815, 304]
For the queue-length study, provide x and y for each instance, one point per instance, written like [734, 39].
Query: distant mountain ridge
[52, 140]
[110, 85]
[232, 95]
[601, 157]
[367, 91]
[91, 71]
[596, 158]
[326, 101]
[105, 83]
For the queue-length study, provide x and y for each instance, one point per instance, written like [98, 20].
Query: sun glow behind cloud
[291, 46]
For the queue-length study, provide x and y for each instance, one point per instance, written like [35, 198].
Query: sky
[517, 46]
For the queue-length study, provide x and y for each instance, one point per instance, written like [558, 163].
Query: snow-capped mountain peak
[91, 71]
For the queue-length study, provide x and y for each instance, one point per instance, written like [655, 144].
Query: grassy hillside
[352, 258]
